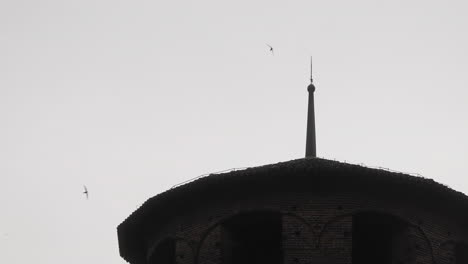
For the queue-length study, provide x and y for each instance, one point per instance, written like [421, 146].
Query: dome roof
[300, 175]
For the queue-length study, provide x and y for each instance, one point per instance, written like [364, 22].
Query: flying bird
[271, 49]
[85, 191]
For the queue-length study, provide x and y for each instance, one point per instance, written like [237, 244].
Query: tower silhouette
[308, 210]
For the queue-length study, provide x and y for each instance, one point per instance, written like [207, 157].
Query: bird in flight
[85, 191]
[271, 49]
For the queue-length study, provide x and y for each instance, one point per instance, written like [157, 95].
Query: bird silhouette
[85, 191]
[271, 49]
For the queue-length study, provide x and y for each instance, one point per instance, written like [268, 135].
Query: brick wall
[316, 228]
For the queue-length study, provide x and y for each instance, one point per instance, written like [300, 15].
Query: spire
[310, 140]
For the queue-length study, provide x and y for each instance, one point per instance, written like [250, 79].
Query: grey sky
[132, 97]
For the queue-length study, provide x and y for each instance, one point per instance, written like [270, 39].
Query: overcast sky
[132, 97]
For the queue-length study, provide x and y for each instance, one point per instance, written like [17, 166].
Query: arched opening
[378, 238]
[164, 253]
[252, 238]
[461, 253]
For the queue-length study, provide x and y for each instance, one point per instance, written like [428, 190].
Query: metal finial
[311, 80]
[310, 140]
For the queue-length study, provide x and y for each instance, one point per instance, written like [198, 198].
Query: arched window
[164, 253]
[252, 238]
[377, 238]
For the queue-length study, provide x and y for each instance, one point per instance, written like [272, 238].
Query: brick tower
[302, 211]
